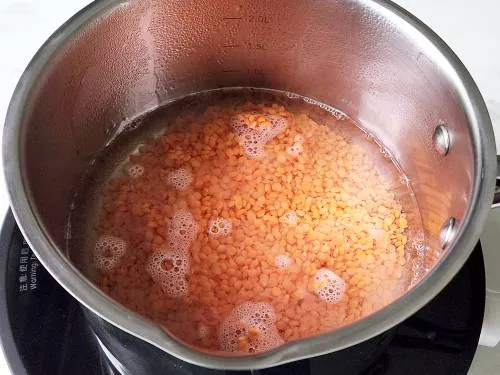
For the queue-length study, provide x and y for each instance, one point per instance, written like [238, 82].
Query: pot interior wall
[144, 53]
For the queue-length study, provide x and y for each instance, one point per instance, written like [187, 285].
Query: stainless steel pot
[117, 59]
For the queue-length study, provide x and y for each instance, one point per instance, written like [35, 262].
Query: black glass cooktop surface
[44, 331]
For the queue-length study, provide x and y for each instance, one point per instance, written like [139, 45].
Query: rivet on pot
[441, 139]
[447, 231]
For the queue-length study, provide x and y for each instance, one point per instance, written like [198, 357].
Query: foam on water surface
[108, 251]
[330, 287]
[290, 218]
[180, 179]
[169, 267]
[219, 227]
[250, 327]
[283, 261]
[135, 170]
[182, 230]
[254, 138]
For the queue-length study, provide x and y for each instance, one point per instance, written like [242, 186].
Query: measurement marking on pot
[248, 45]
[255, 71]
[252, 18]
[256, 45]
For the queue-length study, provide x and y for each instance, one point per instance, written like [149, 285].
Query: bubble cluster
[339, 115]
[386, 153]
[295, 149]
[250, 327]
[219, 227]
[170, 267]
[203, 331]
[253, 145]
[283, 261]
[108, 251]
[255, 130]
[417, 241]
[180, 179]
[404, 180]
[182, 231]
[290, 218]
[291, 95]
[135, 170]
[367, 136]
[329, 286]
[418, 266]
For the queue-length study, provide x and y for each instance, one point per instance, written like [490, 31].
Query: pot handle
[496, 197]
[490, 333]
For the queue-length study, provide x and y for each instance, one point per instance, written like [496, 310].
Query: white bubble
[332, 287]
[339, 115]
[385, 153]
[180, 179]
[203, 331]
[135, 170]
[295, 149]
[404, 180]
[253, 321]
[291, 95]
[108, 251]
[290, 218]
[219, 227]
[283, 261]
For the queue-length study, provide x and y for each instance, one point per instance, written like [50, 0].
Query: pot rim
[92, 298]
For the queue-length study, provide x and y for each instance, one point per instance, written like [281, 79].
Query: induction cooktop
[43, 330]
